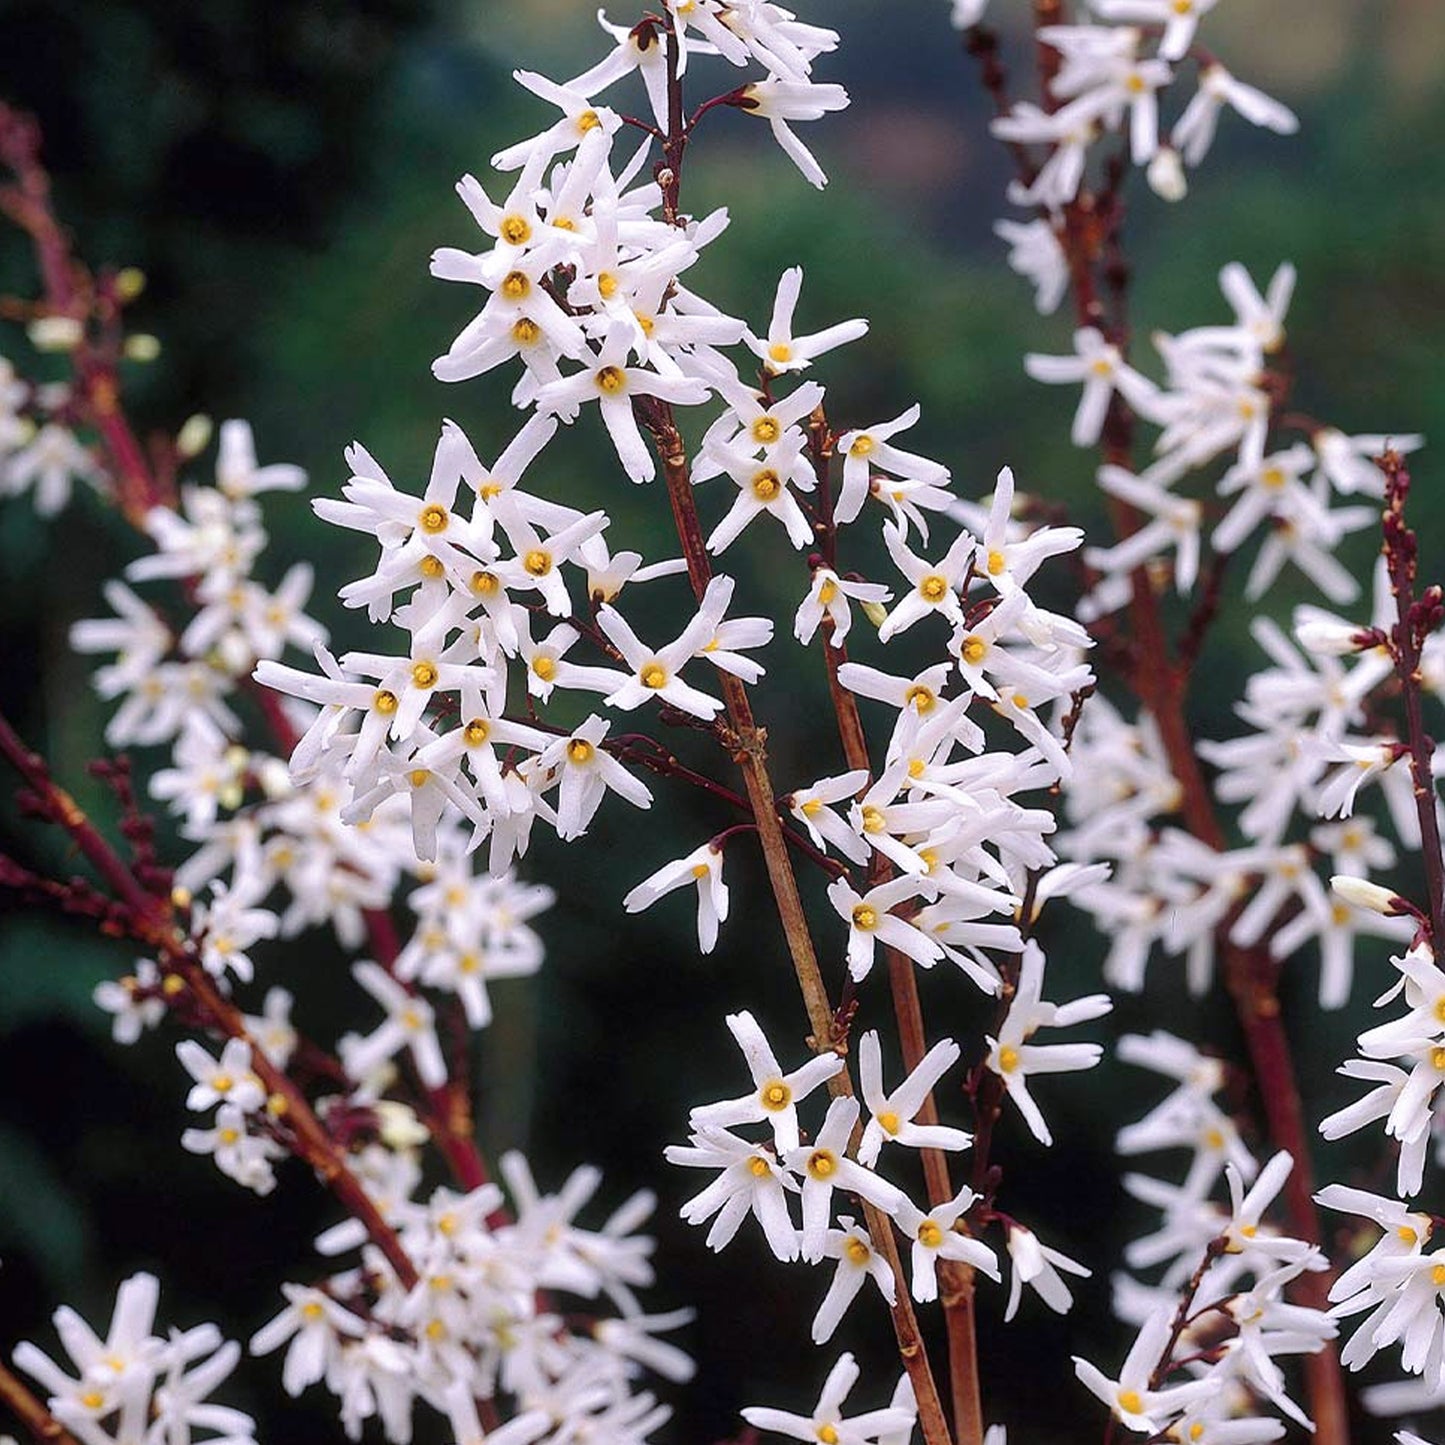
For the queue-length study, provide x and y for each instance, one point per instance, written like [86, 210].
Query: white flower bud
[400, 1127]
[875, 612]
[142, 346]
[1166, 175]
[194, 436]
[55, 333]
[1327, 639]
[1361, 893]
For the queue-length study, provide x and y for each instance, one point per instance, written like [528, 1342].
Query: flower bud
[55, 333]
[400, 1127]
[1327, 638]
[875, 612]
[129, 283]
[142, 346]
[1166, 175]
[1361, 893]
[194, 436]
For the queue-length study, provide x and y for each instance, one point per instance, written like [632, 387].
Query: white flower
[779, 101]
[316, 1325]
[1034, 1263]
[828, 597]
[1102, 369]
[409, 1024]
[775, 1095]
[870, 922]
[703, 866]
[892, 1114]
[781, 351]
[751, 1181]
[934, 1237]
[225, 1080]
[852, 1247]
[826, 1423]
[824, 1167]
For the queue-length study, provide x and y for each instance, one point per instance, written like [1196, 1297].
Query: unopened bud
[142, 346]
[55, 333]
[875, 612]
[1166, 175]
[129, 283]
[194, 436]
[400, 1127]
[1329, 639]
[1361, 893]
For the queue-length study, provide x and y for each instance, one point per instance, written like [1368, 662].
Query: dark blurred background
[281, 172]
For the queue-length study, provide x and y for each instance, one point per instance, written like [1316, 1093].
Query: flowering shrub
[1002, 765]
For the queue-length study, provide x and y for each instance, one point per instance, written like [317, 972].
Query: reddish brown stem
[46, 1429]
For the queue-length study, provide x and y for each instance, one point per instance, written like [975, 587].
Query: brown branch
[151, 922]
[46, 1429]
[1414, 621]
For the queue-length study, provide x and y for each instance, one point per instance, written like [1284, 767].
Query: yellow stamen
[930, 1236]
[537, 563]
[580, 751]
[476, 732]
[424, 674]
[766, 485]
[611, 380]
[385, 702]
[775, 1095]
[515, 230]
[865, 917]
[515, 285]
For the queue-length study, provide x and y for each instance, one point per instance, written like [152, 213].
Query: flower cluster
[134, 1387]
[486, 1314]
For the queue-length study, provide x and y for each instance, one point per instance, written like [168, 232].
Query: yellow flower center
[476, 732]
[766, 430]
[92, 1399]
[700, 870]
[873, 819]
[562, 223]
[311, 1310]
[929, 1234]
[515, 285]
[1129, 1402]
[766, 485]
[385, 702]
[828, 591]
[434, 517]
[525, 331]
[653, 675]
[862, 445]
[544, 667]
[647, 324]
[822, 1163]
[865, 917]
[424, 674]
[812, 807]
[1406, 1235]
[775, 1095]
[1273, 478]
[515, 230]
[418, 776]
[470, 963]
[588, 120]
[973, 650]
[611, 380]
[758, 1166]
[228, 1136]
[579, 750]
[921, 697]
[1008, 1058]
[430, 566]
[890, 1122]
[857, 1251]
[607, 284]
[780, 351]
[223, 1083]
[933, 588]
[537, 563]
[827, 1435]
[1437, 1275]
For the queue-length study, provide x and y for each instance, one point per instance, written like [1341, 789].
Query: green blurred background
[282, 173]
